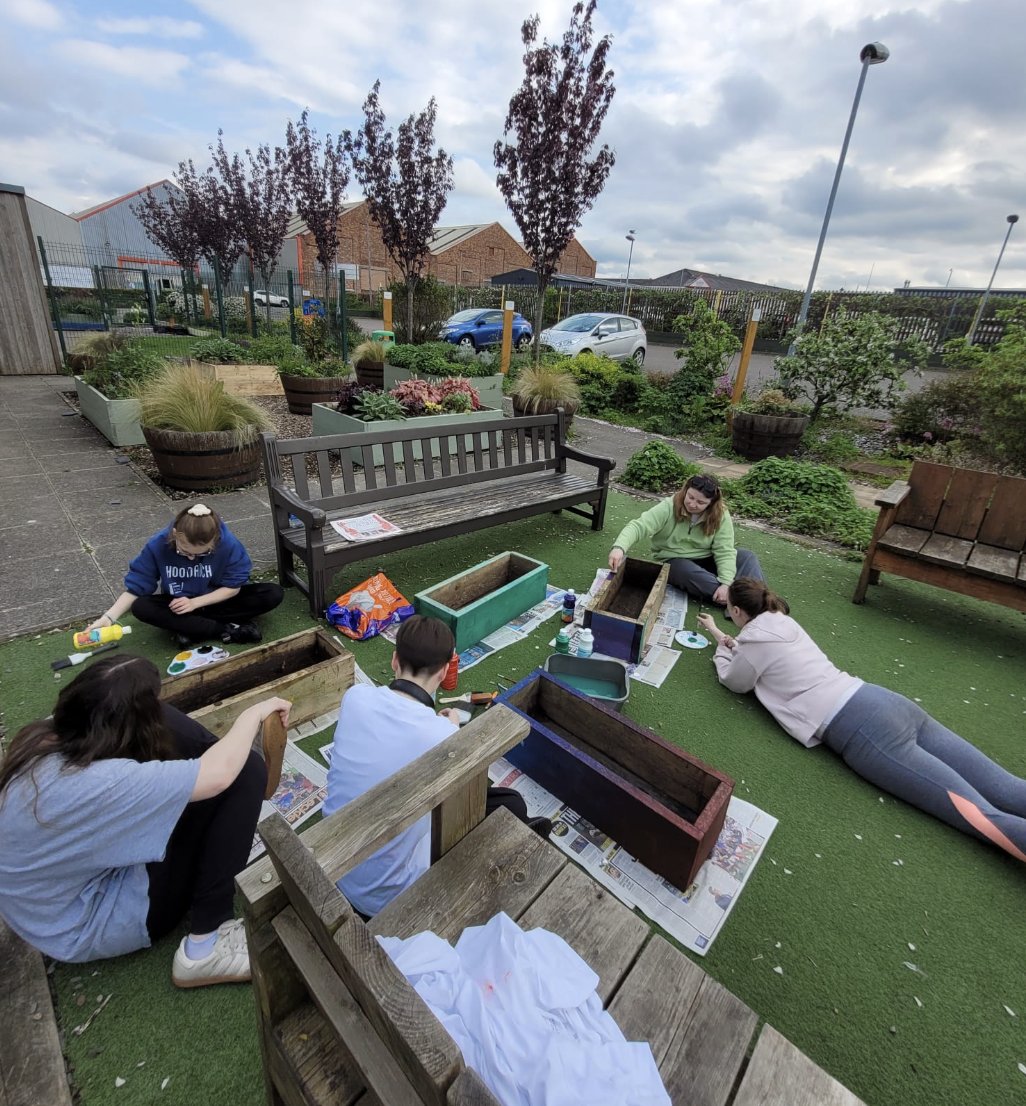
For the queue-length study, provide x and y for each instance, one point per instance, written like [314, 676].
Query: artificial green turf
[844, 919]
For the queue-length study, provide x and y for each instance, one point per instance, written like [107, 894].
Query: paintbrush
[79, 658]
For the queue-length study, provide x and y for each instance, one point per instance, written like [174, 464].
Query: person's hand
[616, 557]
[705, 622]
[728, 641]
[720, 595]
[182, 605]
[99, 623]
[268, 707]
[450, 715]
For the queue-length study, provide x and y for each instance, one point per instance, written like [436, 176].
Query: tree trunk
[539, 315]
[410, 286]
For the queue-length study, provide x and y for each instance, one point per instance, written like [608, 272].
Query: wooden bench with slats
[959, 529]
[338, 1024]
[499, 471]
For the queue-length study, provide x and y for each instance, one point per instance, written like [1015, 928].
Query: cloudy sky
[727, 120]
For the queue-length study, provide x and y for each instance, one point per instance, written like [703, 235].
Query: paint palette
[690, 639]
[189, 659]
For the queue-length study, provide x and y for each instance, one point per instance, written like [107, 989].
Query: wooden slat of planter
[699, 1032]
[31, 1062]
[598, 927]
[965, 503]
[322, 1068]
[779, 1072]
[922, 506]
[1005, 524]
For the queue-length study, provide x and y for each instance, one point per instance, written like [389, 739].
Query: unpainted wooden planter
[485, 597]
[310, 669]
[622, 614]
[758, 436]
[243, 380]
[665, 807]
[304, 391]
[116, 419]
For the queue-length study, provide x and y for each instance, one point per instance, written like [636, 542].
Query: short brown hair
[423, 645]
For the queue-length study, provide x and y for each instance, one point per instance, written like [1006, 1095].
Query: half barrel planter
[326, 420]
[485, 597]
[116, 419]
[488, 388]
[202, 462]
[302, 392]
[665, 807]
[758, 436]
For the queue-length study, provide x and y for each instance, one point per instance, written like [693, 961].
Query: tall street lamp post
[629, 237]
[873, 53]
[1012, 220]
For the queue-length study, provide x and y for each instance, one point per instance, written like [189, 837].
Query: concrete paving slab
[21, 509]
[87, 502]
[24, 489]
[41, 537]
[112, 558]
[25, 465]
[128, 523]
[107, 474]
[232, 506]
[75, 461]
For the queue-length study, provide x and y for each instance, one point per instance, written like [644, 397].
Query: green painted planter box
[485, 597]
[116, 419]
[489, 388]
[326, 420]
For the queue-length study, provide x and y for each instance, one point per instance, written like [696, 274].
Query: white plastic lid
[126, 629]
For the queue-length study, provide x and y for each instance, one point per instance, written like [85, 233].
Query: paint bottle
[89, 639]
[569, 604]
[563, 640]
[585, 643]
[452, 674]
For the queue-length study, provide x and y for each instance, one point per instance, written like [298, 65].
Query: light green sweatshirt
[670, 539]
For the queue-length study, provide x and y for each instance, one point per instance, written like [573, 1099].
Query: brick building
[467, 255]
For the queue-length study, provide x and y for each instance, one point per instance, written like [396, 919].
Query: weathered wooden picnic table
[339, 1024]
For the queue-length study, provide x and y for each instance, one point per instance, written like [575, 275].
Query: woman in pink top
[886, 738]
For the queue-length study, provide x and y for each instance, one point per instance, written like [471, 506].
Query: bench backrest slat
[965, 503]
[388, 464]
[1005, 524]
[369, 474]
[348, 472]
[300, 478]
[928, 483]
[409, 463]
[324, 473]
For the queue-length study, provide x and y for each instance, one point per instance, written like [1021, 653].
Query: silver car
[616, 336]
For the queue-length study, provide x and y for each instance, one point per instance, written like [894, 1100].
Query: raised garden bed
[116, 419]
[244, 380]
[623, 612]
[488, 388]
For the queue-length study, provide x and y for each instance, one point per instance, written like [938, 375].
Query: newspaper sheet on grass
[693, 915]
[299, 796]
[658, 656]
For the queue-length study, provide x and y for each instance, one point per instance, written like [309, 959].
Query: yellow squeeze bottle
[89, 639]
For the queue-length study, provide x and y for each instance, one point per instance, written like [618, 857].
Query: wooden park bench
[339, 1024]
[959, 529]
[430, 485]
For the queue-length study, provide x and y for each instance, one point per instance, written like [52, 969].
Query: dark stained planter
[758, 436]
[521, 408]
[370, 374]
[202, 462]
[302, 392]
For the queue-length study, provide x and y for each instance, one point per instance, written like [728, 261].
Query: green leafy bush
[117, 372]
[657, 468]
[218, 351]
[378, 406]
[427, 359]
[943, 409]
[804, 497]
[278, 350]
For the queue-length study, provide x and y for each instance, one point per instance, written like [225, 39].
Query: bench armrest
[603, 464]
[313, 518]
[893, 495]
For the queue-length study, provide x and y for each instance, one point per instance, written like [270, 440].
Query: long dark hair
[754, 598]
[112, 709]
[708, 486]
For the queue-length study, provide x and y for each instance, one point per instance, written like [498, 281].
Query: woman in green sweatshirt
[693, 532]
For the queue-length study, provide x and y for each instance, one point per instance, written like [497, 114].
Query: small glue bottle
[585, 643]
[89, 639]
[569, 603]
[452, 674]
[563, 640]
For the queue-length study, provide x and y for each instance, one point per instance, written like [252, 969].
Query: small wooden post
[206, 302]
[507, 336]
[746, 355]
[386, 310]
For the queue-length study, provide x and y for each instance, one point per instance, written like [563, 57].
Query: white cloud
[138, 63]
[159, 26]
[34, 13]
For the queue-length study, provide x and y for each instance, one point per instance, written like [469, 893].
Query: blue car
[479, 327]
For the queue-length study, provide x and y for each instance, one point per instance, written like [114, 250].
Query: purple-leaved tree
[320, 176]
[547, 173]
[261, 202]
[406, 182]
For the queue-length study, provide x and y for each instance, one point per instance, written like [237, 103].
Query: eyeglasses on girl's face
[192, 552]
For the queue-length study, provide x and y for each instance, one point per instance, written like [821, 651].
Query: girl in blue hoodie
[191, 579]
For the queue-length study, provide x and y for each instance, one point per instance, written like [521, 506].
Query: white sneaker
[228, 963]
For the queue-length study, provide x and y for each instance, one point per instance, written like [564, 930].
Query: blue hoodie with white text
[159, 564]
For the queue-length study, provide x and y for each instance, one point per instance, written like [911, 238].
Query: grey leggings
[699, 578]
[895, 744]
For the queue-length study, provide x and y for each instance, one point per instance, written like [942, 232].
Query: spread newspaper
[693, 915]
[365, 527]
[304, 783]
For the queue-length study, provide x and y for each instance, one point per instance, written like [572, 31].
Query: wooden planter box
[304, 391]
[243, 380]
[663, 806]
[485, 597]
[116, 419]
[488, 388]
[310, 669]
[623, 612]
[326, 420]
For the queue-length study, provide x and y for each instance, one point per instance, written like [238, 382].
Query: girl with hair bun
[191, 579]
[120, 816]
[884, 737]
[691, 531]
